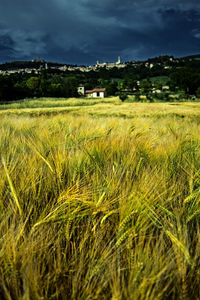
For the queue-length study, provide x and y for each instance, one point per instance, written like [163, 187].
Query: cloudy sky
[83, 31]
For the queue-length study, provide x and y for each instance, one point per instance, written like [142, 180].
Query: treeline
[20, 86]
[15, 65]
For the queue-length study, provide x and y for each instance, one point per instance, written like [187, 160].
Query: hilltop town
[37, 65]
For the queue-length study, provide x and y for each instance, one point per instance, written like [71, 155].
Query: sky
[84, 31]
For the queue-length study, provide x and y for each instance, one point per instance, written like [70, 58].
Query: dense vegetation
[138, 78]
[100, 202]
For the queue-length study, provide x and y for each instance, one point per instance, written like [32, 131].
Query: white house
[95, 93]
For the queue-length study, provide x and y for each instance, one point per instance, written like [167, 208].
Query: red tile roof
[95, 90]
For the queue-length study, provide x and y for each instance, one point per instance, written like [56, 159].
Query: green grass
[101, 202]
[54, 102]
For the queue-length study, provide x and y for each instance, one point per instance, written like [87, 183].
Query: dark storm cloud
[82, 31]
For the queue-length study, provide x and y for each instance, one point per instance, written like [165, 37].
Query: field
[99, 200]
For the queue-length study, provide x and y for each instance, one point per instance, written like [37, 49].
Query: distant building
[119, 61]
[156, 91]
[63, 68]
[95, 93]
[81, 90]
[165, 88]
[38, 60]
[101, 65]
[107, 65]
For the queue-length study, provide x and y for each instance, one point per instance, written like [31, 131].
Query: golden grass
[97, 207]
[108, 107]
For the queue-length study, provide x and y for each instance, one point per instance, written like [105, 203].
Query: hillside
[156, 78]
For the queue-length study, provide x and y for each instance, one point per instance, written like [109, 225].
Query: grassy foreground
[95, 207]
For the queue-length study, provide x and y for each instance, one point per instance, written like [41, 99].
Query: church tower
[119, 60]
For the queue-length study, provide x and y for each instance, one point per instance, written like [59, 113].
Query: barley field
[99, 200]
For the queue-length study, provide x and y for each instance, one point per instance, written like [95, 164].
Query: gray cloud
[82, 31]
[196, 33]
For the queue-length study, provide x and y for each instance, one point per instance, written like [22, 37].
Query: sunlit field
[99, 199]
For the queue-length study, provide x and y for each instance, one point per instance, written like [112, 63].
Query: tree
[21, 90]
[158, 85]
[186, 79]
[198, 92]
[146, 86]
[33, 84]
[111, 88]
[7, 90]
[43, 88]
[69, 87]
[54, 90]
[101, 82]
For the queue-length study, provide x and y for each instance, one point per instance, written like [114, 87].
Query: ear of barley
[12, 188]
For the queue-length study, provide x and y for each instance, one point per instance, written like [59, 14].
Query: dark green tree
[33, 84]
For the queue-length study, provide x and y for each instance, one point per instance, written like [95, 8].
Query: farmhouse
[95, 93]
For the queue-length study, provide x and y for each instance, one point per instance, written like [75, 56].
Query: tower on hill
[119, 60]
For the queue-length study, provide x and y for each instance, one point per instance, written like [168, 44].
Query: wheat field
[100, 200]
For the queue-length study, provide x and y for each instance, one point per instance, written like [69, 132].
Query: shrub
[123, 97]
